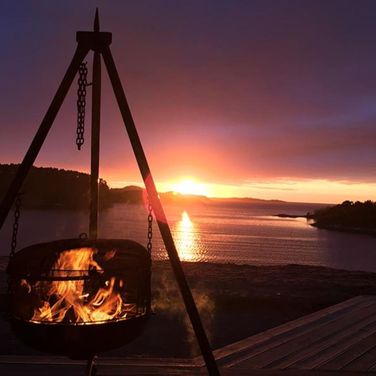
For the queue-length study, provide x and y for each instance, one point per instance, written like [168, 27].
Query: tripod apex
[96, 20]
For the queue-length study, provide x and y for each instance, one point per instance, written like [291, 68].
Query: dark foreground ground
[234, 301]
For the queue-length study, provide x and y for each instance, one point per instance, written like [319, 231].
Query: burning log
[79, 297]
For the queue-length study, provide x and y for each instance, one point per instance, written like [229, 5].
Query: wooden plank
[326, 346]
[364, 362]
[352, 353]
[117, 366]
[40, 370]
[107, 361]
[288, 372]
[234, 350]
[139, 371]
[43, 370]
[276, 350]
[299, 333]
[373, 367]
[336, 349]
[149, 362]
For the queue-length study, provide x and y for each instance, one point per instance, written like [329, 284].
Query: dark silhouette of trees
[54, 188]
[348, 215]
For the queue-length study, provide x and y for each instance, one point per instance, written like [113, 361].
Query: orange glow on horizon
[190, 187]
[292, 190]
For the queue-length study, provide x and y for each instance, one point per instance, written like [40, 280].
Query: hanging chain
[17, 213]
[150, 228]
[81, 103]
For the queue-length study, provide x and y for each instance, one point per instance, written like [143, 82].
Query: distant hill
[250, 200]
[131, 194]
[174, 197]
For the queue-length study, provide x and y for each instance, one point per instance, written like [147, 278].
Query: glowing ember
[80, 293]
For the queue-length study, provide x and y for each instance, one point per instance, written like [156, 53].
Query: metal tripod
[99, 43]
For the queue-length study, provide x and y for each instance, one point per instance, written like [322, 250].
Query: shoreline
[283, 215]
[235, 301]
[349, 230]
[337, 228]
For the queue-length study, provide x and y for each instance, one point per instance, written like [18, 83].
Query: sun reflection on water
[187, 239]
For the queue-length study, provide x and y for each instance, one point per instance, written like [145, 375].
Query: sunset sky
[268, 99]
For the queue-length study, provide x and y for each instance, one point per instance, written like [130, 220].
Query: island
[355, 217]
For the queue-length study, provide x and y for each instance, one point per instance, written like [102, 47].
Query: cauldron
[107, 282]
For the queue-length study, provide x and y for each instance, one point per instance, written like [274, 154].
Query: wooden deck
[338, 340]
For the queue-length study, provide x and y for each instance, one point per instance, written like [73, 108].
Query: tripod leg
[41, 134]
[159, 213]
[95, 133]
[91, 368]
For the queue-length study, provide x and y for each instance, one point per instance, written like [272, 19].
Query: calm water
[235, 233]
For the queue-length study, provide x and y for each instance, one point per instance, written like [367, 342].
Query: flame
[80, 300]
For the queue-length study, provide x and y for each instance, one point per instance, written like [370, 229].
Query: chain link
[150, 228]
[81, 103]
[17, 213]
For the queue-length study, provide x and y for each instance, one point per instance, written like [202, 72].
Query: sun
[190, 187]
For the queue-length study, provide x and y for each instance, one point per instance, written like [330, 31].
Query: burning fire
[79, 292]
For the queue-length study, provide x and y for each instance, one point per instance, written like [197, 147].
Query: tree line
[47, 187]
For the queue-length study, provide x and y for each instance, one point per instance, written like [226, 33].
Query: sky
[268, 99]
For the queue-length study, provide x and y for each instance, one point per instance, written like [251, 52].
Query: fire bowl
[78, 297]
